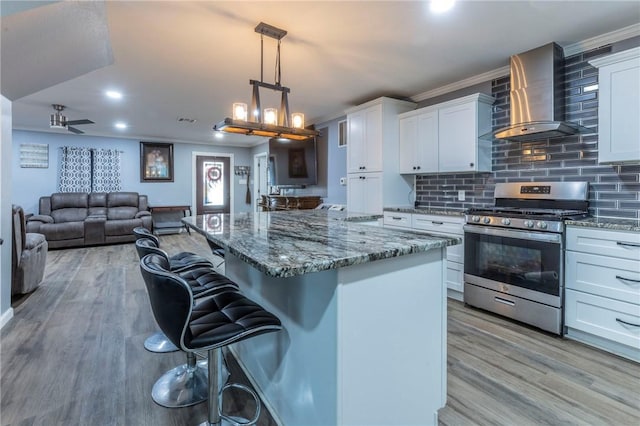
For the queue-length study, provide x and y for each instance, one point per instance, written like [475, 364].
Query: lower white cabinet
[602, 297]
[364, 192]
[445, 225]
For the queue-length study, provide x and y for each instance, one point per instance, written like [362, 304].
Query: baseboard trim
[264, 400]
[6, 316]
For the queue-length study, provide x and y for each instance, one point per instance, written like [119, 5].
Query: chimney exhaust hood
[537, 98]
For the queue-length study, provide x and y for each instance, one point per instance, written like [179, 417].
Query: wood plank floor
[73, 355]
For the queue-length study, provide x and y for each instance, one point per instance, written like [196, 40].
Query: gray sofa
[77, 219]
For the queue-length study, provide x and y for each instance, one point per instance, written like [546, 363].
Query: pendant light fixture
[271, 122]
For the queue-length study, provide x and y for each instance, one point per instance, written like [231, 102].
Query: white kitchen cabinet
[419, 142]
[452, 136]
[619, 107]
[602, 280]
[365, 140]
[444, 225]
[372, 156]
[364, 192]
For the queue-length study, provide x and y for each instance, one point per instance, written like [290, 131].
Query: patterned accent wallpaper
[614, 189]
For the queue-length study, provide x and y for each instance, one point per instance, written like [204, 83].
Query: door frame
[194, 155]
[257, 178]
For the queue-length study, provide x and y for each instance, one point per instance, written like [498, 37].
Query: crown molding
[569, 50]
[603, 39]
[477, 79]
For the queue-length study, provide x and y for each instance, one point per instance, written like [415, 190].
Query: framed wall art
[156, 162]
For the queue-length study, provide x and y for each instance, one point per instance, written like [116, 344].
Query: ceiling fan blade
[76, 122]
[74, 130]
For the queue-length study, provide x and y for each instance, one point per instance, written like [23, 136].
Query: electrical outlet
[461, 195]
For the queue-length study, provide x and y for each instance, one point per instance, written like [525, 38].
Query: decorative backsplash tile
[613, 189]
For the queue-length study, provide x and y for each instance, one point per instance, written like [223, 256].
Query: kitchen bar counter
[363, 310]
[631, 225]
[285, 244]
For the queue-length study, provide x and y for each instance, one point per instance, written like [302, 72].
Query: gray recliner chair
[28, 256]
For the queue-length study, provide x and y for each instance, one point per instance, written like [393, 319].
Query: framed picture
[297, 163]
[156, 162]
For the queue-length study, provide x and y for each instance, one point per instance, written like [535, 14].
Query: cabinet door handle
[418, 168]
[396, 218]
[627, 323]
[627, 279]
[504, 301]
[437, 223]
[620, 243]
[470, 164]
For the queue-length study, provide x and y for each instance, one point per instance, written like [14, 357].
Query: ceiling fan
[59, 121]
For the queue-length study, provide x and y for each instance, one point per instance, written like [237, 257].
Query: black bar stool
[208, 323]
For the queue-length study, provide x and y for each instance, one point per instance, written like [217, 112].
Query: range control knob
[506, 221]
[528, 223]
[542, 225]
[487, 220]
[475, 218]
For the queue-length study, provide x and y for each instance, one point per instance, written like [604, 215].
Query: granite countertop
[290, 243]
[426, 210]
[631, 225]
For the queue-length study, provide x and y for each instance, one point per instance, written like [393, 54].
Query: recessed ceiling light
[120, 125]
[441, 6]
[113, 94]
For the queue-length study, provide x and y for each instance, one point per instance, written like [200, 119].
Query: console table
[166, 217]
[284, 202]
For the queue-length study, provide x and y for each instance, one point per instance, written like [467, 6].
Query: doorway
[260, 187]
[212, 183]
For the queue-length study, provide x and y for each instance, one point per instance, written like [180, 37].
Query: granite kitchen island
[363, 310]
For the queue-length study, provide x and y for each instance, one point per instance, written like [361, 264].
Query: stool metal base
[159, 343]
[184, 385]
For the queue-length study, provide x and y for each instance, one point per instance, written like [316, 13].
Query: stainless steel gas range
[514, 251]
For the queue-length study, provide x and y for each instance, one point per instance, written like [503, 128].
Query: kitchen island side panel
[358, 342]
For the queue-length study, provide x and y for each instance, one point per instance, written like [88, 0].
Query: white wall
[5, 212]
[29, 184]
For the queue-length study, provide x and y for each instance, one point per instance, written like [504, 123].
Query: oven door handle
[501, 232]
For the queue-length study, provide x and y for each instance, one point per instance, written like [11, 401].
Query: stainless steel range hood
[537, 98]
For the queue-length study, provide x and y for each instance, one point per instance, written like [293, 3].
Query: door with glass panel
[213, 185]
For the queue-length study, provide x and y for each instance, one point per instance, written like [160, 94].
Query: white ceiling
[193, 59]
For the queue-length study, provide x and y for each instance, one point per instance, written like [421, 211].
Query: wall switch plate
[343, 181]
[461, 195]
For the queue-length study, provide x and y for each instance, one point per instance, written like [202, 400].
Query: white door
[355, 142]
[407, 142]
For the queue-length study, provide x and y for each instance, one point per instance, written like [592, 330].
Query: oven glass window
[520, 262]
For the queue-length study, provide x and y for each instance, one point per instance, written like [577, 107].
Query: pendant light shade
[271, 122]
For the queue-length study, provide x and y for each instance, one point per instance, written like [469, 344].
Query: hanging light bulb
[240, 111]
[270, 116]
[297, 120]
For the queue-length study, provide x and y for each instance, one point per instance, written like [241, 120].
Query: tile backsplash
[613, 189]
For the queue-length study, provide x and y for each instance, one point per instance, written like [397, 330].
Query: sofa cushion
[98, 204]
[121, 227]
[120, 199]
[63, 200]
[69, 215]
[62, 231]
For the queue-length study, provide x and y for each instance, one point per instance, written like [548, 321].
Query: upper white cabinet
[419, 142]
[372, 156]
[365, 140]
[619, 107]
[447, 137]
